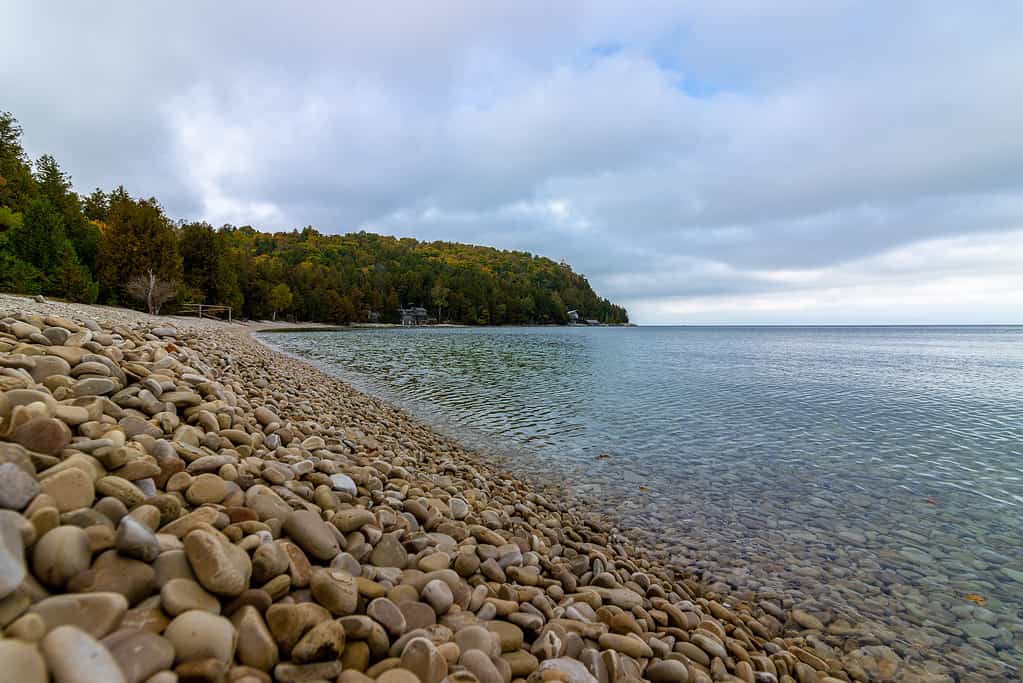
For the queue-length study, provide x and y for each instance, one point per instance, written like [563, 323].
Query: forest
[112, 248]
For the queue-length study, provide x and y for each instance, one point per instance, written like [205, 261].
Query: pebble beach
[178, 502]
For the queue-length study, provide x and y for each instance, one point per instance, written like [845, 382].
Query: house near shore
[573, 316]
[414, 315]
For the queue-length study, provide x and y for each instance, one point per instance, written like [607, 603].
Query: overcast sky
[732, 162]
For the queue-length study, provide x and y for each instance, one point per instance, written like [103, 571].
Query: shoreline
[673, 621]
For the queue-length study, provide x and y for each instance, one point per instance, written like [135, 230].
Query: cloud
[698, 161]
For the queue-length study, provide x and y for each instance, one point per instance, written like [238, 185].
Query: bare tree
[151, 289]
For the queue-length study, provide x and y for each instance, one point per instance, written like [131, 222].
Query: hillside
[104, 246]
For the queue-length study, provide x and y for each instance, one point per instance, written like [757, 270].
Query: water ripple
[876, 471]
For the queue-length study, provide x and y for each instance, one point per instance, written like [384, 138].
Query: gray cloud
[686, 157]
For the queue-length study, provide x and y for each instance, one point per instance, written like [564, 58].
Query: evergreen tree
[17, 186]
[54, 184]
[41, 235]
[138, 238]
[96, 205]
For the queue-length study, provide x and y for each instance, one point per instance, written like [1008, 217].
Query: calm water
[874, 475]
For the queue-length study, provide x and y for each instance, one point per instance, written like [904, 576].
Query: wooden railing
[206, 311]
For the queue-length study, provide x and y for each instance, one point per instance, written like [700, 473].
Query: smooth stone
[135, 540]
[978, 629]
[43, 435]
[438, 595]
[573, 671]
[352, 519]
[98, 614]
[1014, 574]
[73, 656]
[48, 366]
[709, 645]
[72, 488]
[93, 386]
[60, 555]
[478, 638]
[389, 553]
[265, 416]
[266, 503]
[17, 487]
[667, 671]
[417, 614]
[111, 572]
[198, 635]
[459, 508]
[221, 567]
[342, 482]
[422, 658]
[289, 622]
[480, 664]
[122, 489]
[397, 675]
[24, 659]
[388, 615]
[434, 562]
[312, 534]
[335, 590]
[521, 663]
[181, 595]
[324, 641]
[269, 560]
[807, 620]
[318, 671]
[626, 644]
[12, 553]
[509, 635]
[256, 646]
[140, 654]
[206, 489]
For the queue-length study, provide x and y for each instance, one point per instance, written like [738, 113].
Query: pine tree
[16, 182]
[138, 238]
[41, 235]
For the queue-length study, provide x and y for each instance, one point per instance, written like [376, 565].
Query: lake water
[873, 475]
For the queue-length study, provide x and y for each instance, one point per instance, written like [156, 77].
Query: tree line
[113, 248]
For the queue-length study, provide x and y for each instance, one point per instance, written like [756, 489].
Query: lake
[871, 475]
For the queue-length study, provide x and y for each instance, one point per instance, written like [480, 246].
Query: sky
[785, 162]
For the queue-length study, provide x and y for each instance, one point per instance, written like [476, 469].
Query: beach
[181, 502]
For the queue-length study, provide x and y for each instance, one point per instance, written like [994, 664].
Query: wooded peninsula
[112, 248]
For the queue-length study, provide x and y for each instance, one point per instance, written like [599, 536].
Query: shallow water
[874, 474]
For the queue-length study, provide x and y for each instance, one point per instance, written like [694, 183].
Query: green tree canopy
[138, 238]
[54, 241]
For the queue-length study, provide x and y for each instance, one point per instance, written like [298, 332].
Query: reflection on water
[874, 474]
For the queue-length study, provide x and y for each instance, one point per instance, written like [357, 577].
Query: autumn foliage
[114, 248]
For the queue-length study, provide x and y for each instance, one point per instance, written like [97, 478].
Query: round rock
[200, 635]
[312, 534]
[140, 654]
[44, 435]
[95, 613]
[335, 590]
[61, 554]
[135, 540]
[181, 595]
[23, 658]
[17, 487]
[221, 567]
[73, 656]
[438, 595]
